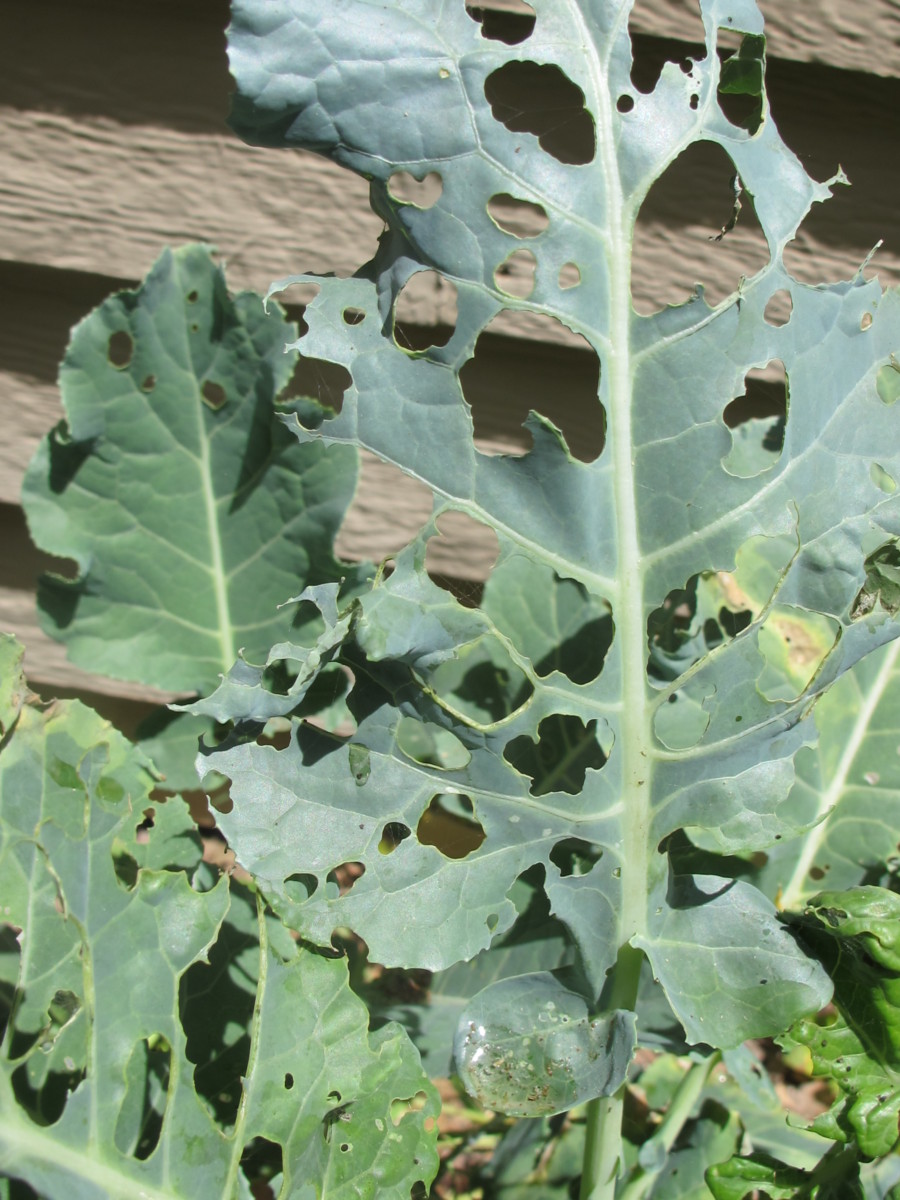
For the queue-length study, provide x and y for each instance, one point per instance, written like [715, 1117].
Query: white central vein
[627, 592]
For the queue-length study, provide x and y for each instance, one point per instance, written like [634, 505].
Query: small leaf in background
[190, 511]
[857, 935]
[835, 1178]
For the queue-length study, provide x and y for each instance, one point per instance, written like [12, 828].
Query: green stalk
[678, 1112]
[603, 1133]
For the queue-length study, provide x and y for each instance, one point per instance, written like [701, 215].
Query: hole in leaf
[213, 394]
[344, 876]
[299, 887]
[740, 91]
[816, 873]
[554, 621]
[565, 750]
[865, 321]
[540, 99]
[149, 383]
[514, 23]
[120, 349]
[684, 36]
[625, 103]
[392, 835]
[322, 381]
[401, 1108]
[461, 540]
[515, 275]
[140, 1119]
[42, 1094]
[299, 294]
[779, 308]
[575, 856]
[215, 1005]
[887, 382]
[426, 300]
[884, 481]
[142, 830]
[481, 684]
[288, 1081]
[261, 1162]
[353, 316]
[691, 622]
[449, 824]
[125, 866]
[508, 377]
[584, 633]
[679, 225]
[882, 584]
[794, 643]
[521, 218]
[366, 533]
[193, 296]
[569, 276]
[423, 193]
[681, 722]
[757, 420]
[430, 745]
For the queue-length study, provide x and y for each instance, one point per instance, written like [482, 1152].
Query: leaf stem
[603, 1134]
[603, 1147]
[680, 1108]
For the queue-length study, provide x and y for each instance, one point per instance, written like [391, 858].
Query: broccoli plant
[596, 807]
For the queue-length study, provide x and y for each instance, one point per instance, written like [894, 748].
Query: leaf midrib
[627, 598]
[225, 630]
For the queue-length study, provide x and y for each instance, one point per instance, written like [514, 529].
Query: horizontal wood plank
[855, 37]
[165, 62]
[89, 195]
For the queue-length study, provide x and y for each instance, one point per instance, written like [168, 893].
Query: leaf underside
[587, 728]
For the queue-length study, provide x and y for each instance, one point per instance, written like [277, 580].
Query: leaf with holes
[161, 1035]
[581, 705]
[848, 785]
[190, 512]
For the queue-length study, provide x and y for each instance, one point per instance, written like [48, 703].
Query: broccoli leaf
[119, 1051]
[580, 714]
[188, 511]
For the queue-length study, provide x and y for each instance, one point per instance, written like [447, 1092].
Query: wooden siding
[112, 144]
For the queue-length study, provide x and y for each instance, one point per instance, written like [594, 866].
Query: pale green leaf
[591, 727]
[156, 1026]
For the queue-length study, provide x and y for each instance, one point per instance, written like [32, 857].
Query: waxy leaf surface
[189, 511]
[612, 742]
[127, 971]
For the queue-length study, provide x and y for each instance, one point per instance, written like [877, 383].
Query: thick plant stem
[603, 1136]
[603, 1147]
